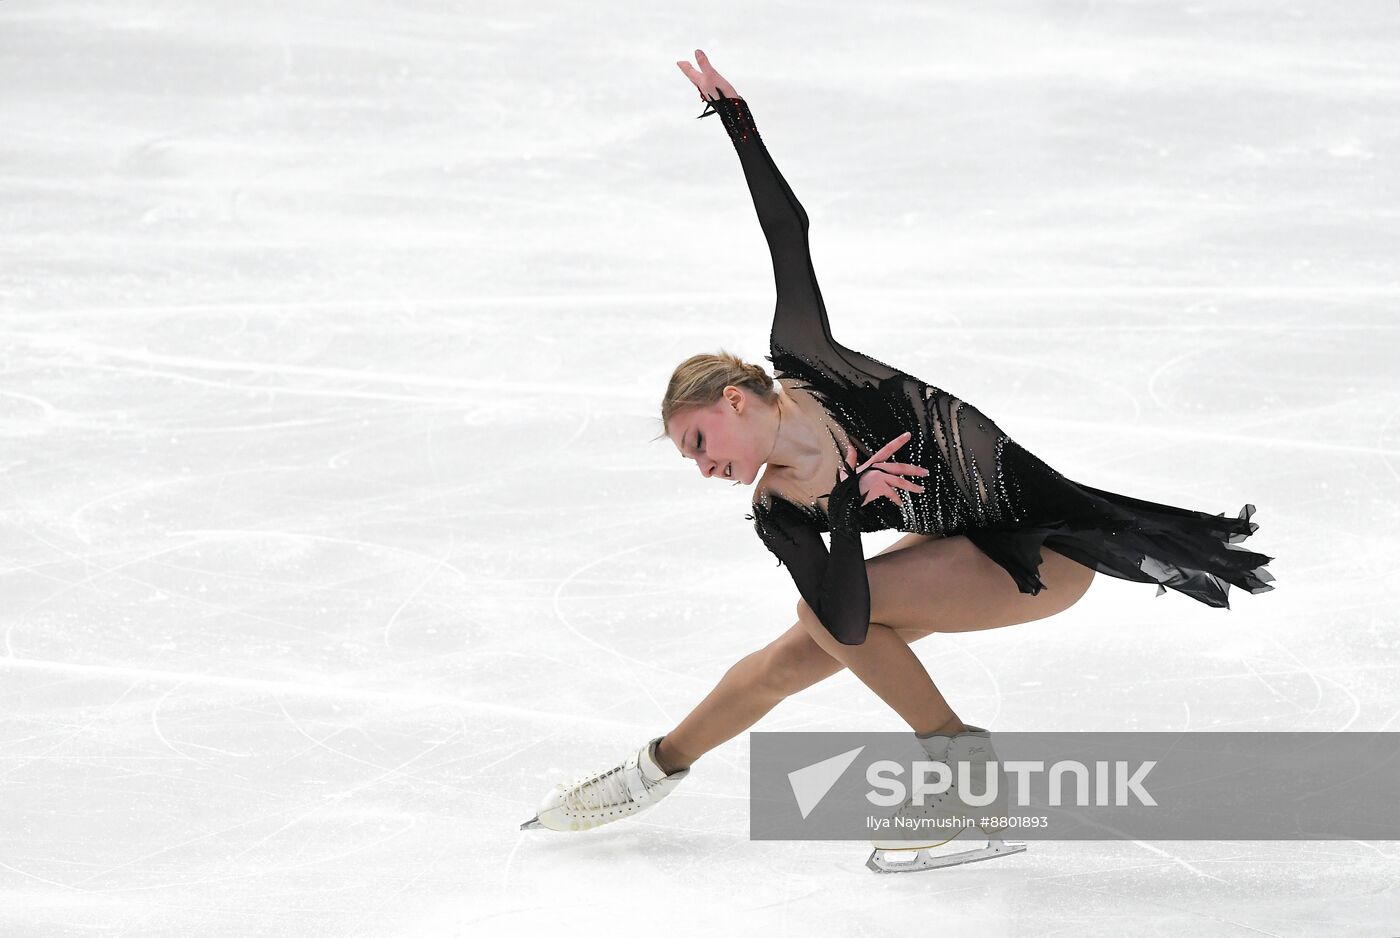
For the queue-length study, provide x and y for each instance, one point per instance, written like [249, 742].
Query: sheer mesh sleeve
[800, 325]
[832, 582]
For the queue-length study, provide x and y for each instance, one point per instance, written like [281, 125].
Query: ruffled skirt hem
[1191, 552]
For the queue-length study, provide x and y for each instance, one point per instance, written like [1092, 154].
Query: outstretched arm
[800, 322]
[799, 319]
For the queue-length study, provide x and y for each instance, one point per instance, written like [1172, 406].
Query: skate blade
[880, 862]
[532, 824]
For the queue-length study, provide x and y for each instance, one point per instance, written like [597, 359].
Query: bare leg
[956, 589]
[755, 685]
[946, 584]
[748, 690]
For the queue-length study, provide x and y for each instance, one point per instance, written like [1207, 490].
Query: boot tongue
[935, 746]
[646, 761]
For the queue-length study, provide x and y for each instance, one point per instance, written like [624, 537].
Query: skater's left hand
[882, 481]
[708, 81]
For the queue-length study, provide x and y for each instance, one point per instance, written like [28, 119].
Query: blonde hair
[701, 379]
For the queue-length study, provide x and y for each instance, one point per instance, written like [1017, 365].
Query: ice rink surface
[333, 343]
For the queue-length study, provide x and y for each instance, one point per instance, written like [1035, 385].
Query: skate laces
[604, 789]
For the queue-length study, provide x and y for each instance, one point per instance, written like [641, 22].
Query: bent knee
[811, 624]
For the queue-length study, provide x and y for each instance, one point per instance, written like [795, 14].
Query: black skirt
[1189, 551]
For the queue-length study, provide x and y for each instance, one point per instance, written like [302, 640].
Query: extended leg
[748, 690]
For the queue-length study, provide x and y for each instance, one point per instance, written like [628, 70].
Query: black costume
[981, 484]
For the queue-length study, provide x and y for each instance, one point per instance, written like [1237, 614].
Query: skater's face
[727, 439]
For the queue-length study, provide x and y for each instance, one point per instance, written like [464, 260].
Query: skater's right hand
[883, 481]
[706, 79]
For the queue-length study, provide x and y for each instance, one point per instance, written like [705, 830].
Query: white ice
[333, 340]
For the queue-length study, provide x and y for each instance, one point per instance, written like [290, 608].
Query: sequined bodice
[960, 446]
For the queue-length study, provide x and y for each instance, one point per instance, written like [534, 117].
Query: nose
[708, 471]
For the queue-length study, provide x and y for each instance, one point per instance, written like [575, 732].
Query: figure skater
[848, 444]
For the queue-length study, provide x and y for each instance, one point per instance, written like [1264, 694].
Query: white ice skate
[632, 785]
[929, 846]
